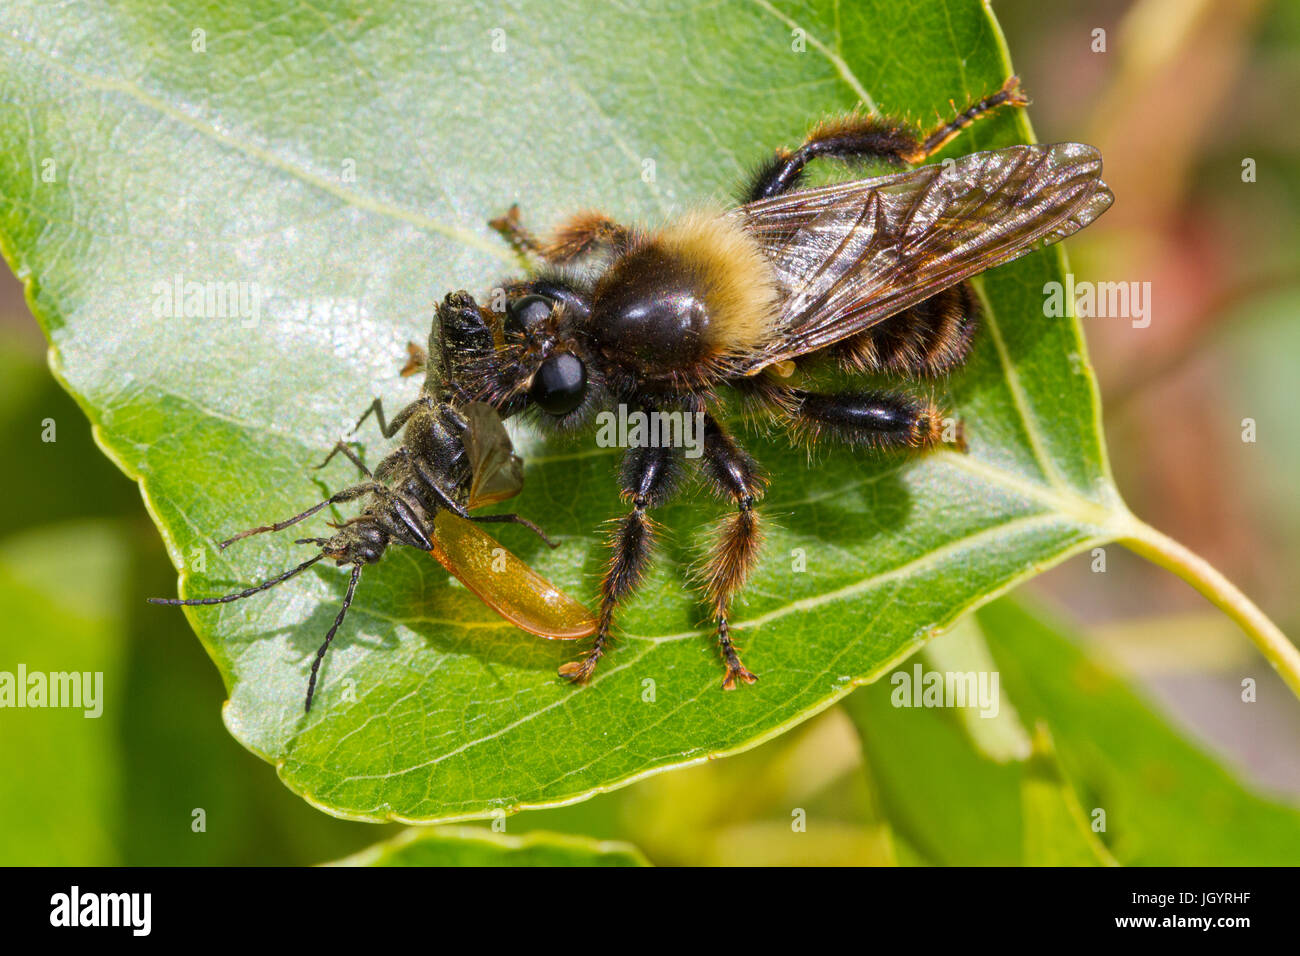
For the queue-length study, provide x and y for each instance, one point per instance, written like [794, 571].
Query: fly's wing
[848, 255]
[504, 583]
[497, 473]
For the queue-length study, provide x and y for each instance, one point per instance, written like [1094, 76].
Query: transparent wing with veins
[849, 255]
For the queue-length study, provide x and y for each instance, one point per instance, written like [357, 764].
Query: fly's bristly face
[864, 276]
[555, 370]
[538, 362]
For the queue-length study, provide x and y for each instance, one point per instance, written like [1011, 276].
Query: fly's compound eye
[524, 313]
[560, 383]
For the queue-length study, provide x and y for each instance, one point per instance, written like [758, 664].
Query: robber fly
[867, 274]
[455, 457]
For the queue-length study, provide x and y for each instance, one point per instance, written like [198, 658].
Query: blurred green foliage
[77, 557]
[475, 846]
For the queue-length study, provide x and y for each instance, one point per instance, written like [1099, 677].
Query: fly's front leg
[581, 235]
[585, 234]
[516, 235]
[649, 477]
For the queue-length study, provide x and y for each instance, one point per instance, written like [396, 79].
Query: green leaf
[1097, 756]
[469, 846]
[968, 786]
[60, 589]
[1056, 830]
[1166, 802]
[342, 164]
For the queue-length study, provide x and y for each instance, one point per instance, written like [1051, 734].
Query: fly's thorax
[681, 301]
[460, 329]
[432, 437]
[651, 313]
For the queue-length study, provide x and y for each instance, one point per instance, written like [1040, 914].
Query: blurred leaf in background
[1099, 755]
[1184, 95]
[76, 555]
[472, 846]
[62, 589]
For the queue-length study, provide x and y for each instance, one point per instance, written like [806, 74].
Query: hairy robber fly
[455, 456]
[868, 275]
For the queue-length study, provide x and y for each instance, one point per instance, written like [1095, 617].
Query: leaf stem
[1160, 549]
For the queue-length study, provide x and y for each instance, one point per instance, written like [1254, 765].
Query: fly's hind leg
[734, 475]
[867, 137]
[925, 341]
[1010, 94]
[875, 420]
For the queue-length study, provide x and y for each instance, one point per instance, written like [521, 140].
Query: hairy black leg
[868, 419]
[516, 519]
[338, 622]
[648, 479]
[857, 137]
[247, 592]
[930, 338]
[347, 494]
[348, 452]
[389, 429]
[735, 475]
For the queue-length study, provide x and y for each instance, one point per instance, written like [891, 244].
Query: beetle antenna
[338, 621]
[226, 599]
